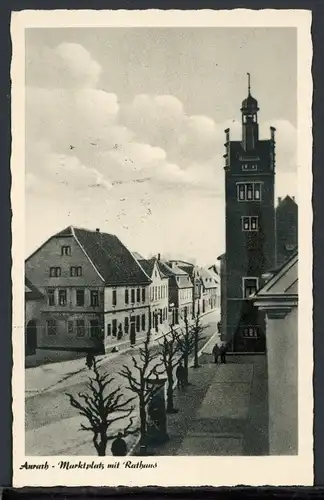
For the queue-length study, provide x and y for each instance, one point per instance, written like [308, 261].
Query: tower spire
[249, 83]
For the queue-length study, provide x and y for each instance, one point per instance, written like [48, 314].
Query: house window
[62, 297]
[75, 271]
[51, 297]
[250, 332]
[138, 295]
[250, 286]
[80, 328]
[94, 298]
[108, 330]
[55, 272]
[114, 327]
[138, 323]
[250, 223]
[94, 328]
[143, 322]
[80, 298]
[51, 327]
[143, 294]
[70, 327]
[66, 250]
[126, 296]
[126, 325]
[114, 297]
[133, 296]
[249, 192]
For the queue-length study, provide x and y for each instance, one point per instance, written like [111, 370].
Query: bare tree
[144, 368]
[198, 328]
[170, 359]
[186, 342]
[102, 407]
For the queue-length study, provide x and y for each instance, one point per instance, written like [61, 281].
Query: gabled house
[158, 294]
[278, 299]
[180, 291]
[210, 289]
[96, 293]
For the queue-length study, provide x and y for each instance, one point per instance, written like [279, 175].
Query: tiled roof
[208, 278]
[114, 262]
[287, 200]
[177, 270]
[137, 256]
[167, 271]
[31, 292]
[147, 265]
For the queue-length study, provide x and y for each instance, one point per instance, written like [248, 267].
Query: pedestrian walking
[89, 360]
[216, 352]
[180, 375]
[119, 446]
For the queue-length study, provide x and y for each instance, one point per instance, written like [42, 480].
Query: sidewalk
[223, 412]
[44, 377]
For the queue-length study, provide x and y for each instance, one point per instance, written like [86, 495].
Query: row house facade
[95, 292]
[180, 292]
[158, 294]
[210, 290]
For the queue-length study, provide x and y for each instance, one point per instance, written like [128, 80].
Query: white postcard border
[169, 471]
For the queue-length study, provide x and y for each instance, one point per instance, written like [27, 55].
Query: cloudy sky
[125, 129]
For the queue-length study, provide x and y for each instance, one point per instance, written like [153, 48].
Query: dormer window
[65, 250]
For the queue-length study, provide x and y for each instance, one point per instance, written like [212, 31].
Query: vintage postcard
[162, 248]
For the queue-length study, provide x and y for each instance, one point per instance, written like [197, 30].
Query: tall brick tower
[250, 228]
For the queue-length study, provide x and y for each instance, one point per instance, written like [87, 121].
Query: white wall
[282, 349]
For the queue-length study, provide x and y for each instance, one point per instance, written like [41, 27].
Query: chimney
[279, 200]
[97, 230]
[159, 256]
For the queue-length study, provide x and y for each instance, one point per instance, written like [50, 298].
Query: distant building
[191, 270]
[96, 294]
[158, 294]
[180, 291]
[278, 299]
[210, 286]
[250, 229]
[33, 304]
[286, 229]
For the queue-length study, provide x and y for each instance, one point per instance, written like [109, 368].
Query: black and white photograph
[162, 247]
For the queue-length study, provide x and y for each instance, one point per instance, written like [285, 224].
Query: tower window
[250, 286]
[249, 167]
[250, 223]
[250, 332]
[249, 192]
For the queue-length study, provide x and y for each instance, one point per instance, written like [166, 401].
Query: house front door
[133, 330]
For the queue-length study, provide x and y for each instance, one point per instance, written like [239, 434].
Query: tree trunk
[102, 446]
[142, 421]
[185, 365]
[196, 364]
[170, 407]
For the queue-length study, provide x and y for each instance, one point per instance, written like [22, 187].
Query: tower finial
[249, 83]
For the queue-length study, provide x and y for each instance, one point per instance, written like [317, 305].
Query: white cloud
[86, 146]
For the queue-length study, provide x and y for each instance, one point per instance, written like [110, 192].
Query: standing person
[219, 327]
[89, 360]
[223, 353]
[180, 375]
[216, 352]
[119, 446]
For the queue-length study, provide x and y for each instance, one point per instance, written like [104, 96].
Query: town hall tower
[250, 229]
